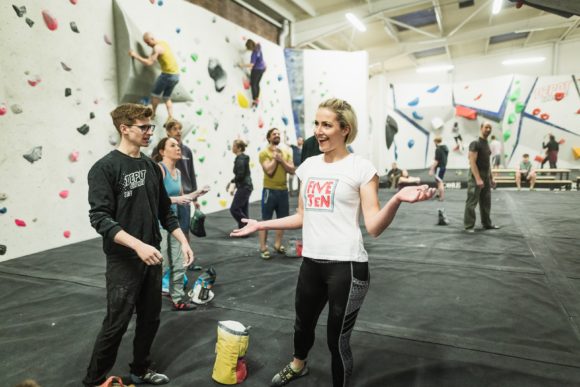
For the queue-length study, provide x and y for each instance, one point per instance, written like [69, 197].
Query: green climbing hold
[515, 95]
[183, 69]
[512, 118]
[194, 57]
[506, 135]
[204, 202]
[201, 159]
[199, 111]
[519, 107]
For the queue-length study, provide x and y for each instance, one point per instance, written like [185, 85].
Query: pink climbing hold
[73, 2]
[63, 194]
[246, 83]
[260, 123]
[49, 20]
[20, 222]
[3, 109]
[66, 234]
[34, 82]
[478, 97]
[74, 156]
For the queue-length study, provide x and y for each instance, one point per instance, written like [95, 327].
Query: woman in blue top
[257, 66]
[169, 152]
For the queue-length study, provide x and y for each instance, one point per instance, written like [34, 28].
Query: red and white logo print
[319, 194]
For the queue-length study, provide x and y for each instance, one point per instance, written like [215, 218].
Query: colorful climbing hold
[417, 116]
[49, 20]
[562, 141]
[515, 95]
[73, 27]
[506, 135]
[280, 77]
[74, 156]
[20, 11]
[34, 154]
[539, 159]
[519, 107]
[536, 111]
[194, 57]
[178, 30]
[63, 194]
[3, 109]
[544, 116]
[410, 143]
[3, 210]
[285, 120]
[201, 159]
[73, 2]
[559, 96]
[107, 39]
[242, 100]
[260, 123]
[199, 111]
[66, 234]
[223, 203]
[414, 102]
[20, 222]
[246, 83]
[478, 97]
[35, 81]
[84, 129]
[511, 118]
[433, 89]
[160, 3]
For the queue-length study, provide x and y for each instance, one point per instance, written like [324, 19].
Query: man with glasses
[169, 76]
[128, 201]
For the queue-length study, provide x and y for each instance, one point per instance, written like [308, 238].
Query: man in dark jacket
[128, 201]
[439, 165]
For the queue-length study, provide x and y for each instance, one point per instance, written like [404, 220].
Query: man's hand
[188, 257]
[479, 182]
[493, 183]
[149, 254]
[132, 54]
[278, 155]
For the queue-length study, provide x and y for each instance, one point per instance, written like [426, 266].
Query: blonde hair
[438, 139]
[345, 116]
[128, 113]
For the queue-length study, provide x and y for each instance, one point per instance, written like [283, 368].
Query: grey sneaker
[470, 230]
[150, 377]
[287, 375]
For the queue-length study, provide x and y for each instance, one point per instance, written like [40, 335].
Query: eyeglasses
[145, 128]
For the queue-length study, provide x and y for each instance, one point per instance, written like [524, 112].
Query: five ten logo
[320, 194]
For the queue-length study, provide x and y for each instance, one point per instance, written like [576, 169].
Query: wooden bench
[544, 178]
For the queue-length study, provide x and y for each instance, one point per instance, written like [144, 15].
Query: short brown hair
[240, 144]
[269, 133]
[128, 113]
[438, 139]
[172, 123]
[250, 44]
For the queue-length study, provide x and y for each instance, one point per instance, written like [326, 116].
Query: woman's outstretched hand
[251, 227]
[413, 194]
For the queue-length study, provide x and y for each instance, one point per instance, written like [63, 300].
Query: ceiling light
[496, 6]
[435, 69]
[534, 59]
[356, 22]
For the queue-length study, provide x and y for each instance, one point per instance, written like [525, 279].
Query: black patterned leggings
[344, 286]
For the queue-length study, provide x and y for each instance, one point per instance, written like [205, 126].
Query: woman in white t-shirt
[335, 187]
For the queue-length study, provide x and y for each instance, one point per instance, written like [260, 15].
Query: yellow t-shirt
[167, 59]
[278, 179]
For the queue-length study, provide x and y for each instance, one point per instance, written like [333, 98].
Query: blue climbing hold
[417, 116]
[414, 102]
[411, 143]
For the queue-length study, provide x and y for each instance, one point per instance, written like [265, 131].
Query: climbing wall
[64, 69]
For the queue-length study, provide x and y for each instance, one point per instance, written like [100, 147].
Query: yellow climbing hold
[223, 203]
[242, 100]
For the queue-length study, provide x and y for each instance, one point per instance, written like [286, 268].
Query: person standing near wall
[258, 67]
[496, 151]
[241, 183]
[169, 76]
[552, 148]
[276, 164]
[439, 165]
[127, 202]
[296, 159]
[457, 137]
[310, 148]
[480, 181]
[336, 187]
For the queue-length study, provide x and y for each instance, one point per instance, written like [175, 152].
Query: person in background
[258, 67]
[480, 182]
[457, 137]
[127, 202]
[393, 175]
[169, 77]
[552, 148]
[241, 184]
[496, 150]
[168, 154]
[310, 148]
[439, 165]
[335, 188]
[296, 159]
[526, 173]
[276, 164]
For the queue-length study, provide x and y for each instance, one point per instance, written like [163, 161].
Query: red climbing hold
[536, 111]
[74, 156]
[49, 20]
[3, 109]
[66, 234]
[559, 96]
[63, 194]
[20, 222]
[73, 2]
[544, 116]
